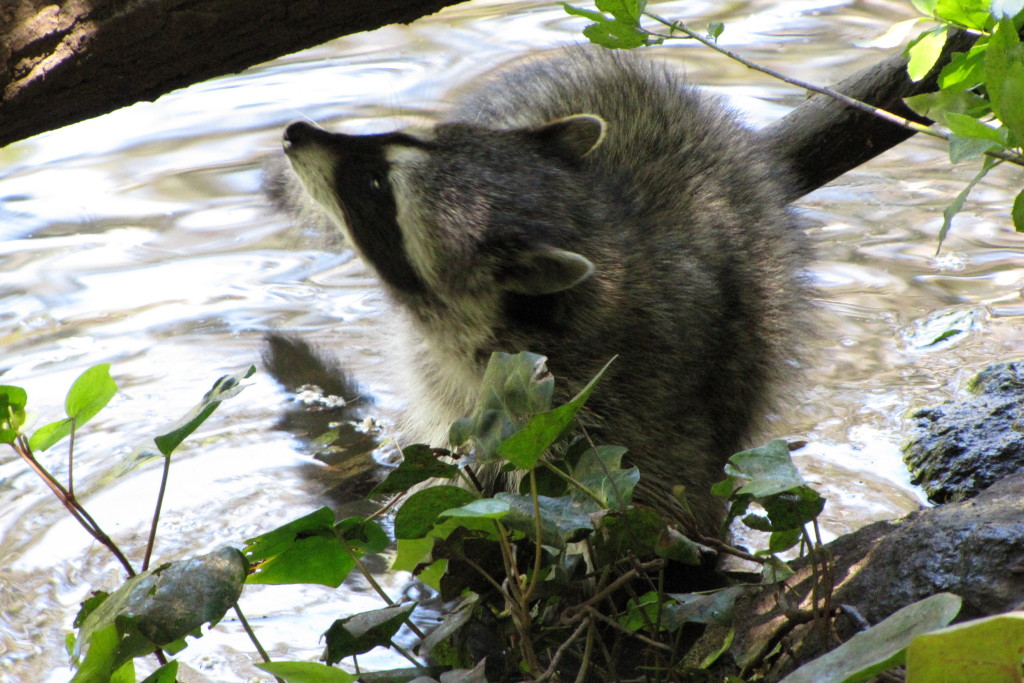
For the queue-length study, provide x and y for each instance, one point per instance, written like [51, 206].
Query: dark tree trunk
[63, 61]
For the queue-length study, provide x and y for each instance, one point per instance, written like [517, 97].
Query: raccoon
[583, 204]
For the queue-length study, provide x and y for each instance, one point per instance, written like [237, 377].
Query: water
[140, 239]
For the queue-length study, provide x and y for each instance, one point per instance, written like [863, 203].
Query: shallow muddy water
[140, 239]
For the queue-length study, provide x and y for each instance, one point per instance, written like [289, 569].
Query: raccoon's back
[666, 143]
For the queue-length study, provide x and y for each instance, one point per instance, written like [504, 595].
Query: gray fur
[586, 204]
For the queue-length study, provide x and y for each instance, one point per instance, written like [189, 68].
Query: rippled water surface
[140, 239]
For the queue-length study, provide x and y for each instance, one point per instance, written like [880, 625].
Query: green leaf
[362, 632]
[1018, 212]
[925, 7]
[363, 535]
[307, 672]
[524, 448]
[775, 571]
[972, 14]
[924, 51]
[486, 508]
[937, 104]
[306, 550]
[563, 520]
[969, 127]
[420, 512]
[965, 149]
[781, 541]
[882, 646]
[965, 69]
[49, 434]
[1004, 76]
[223, 389]
[957, 204]
[600, 472]
[419, 463]
[715, 29]
[609, 32]
[98, 665]
[625, 11]
[12, 412]
[90, 393]
[986, 649]
[635, 531]
[412, 552]
[765, 470]
[273, 543]
[167, 673]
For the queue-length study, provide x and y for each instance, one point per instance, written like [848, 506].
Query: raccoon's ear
[546, 270]
[578, 135]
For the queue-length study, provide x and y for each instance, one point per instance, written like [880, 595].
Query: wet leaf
[162, 606]
[362, 632]
[223, 389]
[882, 646]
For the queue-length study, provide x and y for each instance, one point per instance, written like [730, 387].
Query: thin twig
[252, 637]
[822, 90]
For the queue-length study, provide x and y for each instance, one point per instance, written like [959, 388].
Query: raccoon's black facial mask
[347, 174]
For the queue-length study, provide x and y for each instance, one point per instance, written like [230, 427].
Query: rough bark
[974, 549]
[63, 61]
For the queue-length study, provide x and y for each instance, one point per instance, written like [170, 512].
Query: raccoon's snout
[300, 132]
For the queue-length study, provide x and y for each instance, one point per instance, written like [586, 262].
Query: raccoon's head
[458, 211]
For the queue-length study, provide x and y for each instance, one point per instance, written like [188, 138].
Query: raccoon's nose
[299, 132]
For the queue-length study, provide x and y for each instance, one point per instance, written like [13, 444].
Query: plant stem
[252, 637]
[377, 587]
[156, 513]
[71, 461]
[73, 507]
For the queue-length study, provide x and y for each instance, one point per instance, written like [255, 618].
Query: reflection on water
[140, 239]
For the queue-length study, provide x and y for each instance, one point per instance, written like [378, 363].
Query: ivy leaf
[224, 388]
[90, 393]
[307, 672]
[419, 463]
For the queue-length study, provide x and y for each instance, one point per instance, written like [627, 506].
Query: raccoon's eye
[378, 182]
